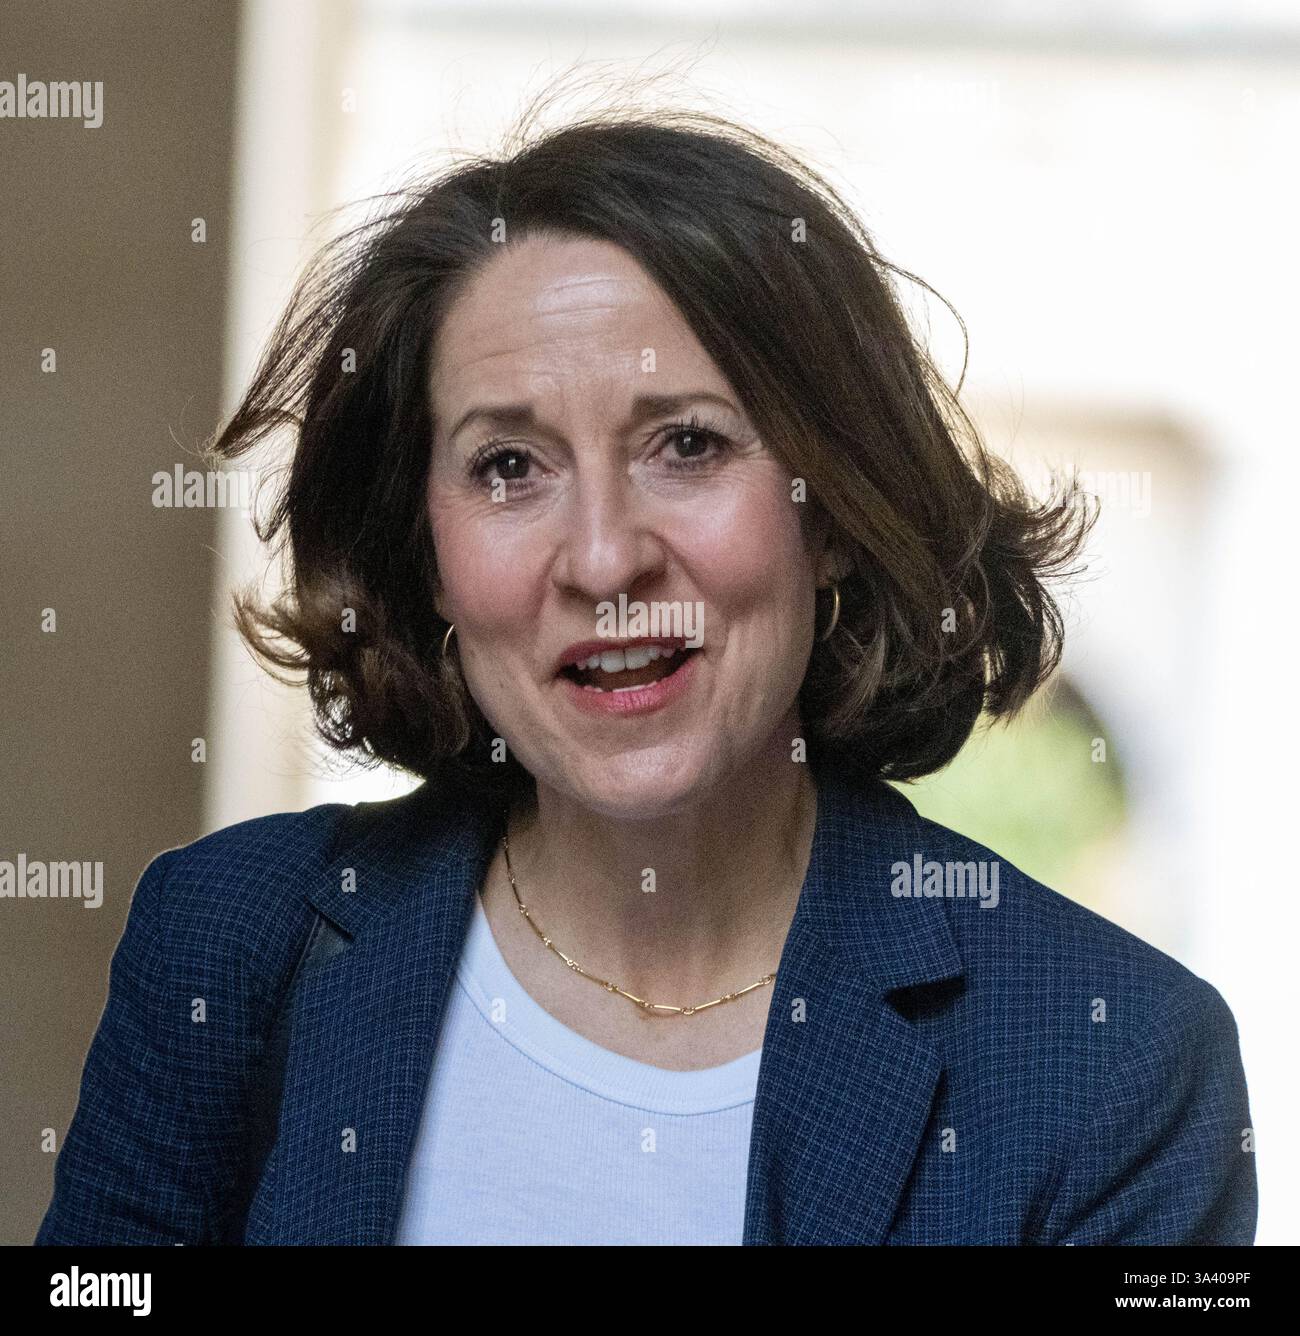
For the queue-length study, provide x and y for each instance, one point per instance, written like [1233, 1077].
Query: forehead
[555, 306]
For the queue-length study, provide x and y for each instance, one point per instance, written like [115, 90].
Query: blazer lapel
[366, 1024]
[845, 1084]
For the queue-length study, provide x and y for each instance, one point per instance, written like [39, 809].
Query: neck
[726, 878]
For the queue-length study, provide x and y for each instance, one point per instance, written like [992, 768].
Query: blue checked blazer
[933, 1071]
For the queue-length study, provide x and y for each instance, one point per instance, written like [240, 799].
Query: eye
[500, 461]
[692, 445]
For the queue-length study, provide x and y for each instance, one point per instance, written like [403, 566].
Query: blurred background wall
[98, 264]
[1106, 194]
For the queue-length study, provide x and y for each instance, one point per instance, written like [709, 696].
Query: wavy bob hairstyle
[943, 551]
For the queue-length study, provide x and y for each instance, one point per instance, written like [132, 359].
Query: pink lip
[636, 700]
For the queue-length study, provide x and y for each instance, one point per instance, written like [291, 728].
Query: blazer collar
[845, 1084]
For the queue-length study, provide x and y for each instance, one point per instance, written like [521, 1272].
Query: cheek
[749, 549]
[483, 583]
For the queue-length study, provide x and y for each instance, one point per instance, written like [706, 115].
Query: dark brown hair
[944, 552]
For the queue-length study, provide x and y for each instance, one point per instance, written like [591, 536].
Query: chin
[639, 786]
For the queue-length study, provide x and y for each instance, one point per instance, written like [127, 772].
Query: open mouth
[625, 670]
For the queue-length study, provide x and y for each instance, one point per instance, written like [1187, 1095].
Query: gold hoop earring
[446, 639]
[835, 612]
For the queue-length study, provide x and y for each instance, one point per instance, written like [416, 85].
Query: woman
[626, 512]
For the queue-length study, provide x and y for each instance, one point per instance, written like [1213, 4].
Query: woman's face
[562, 477]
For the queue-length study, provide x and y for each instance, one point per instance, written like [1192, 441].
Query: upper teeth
[621, 660]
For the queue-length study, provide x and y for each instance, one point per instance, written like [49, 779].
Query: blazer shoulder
[1054, 938]
[233, 905]
[1123, 1065]
[245, 894]
[252, 863]
[212, 932]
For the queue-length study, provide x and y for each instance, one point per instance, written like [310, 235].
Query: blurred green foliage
[1031, 791]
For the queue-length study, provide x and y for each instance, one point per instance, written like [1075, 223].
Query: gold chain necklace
[605, 983]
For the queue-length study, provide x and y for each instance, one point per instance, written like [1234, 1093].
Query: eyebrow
[519, 417]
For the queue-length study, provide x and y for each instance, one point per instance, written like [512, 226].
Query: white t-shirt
[532, 1134]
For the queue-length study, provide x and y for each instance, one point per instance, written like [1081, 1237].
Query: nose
[609, 542]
